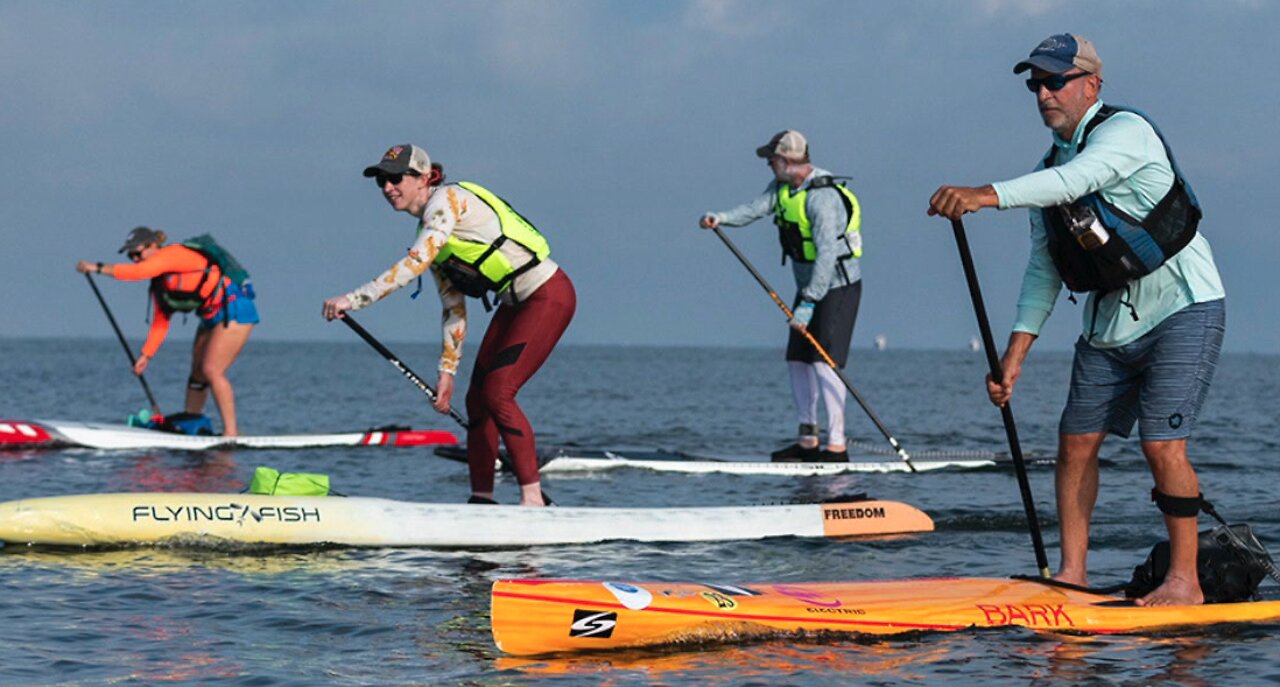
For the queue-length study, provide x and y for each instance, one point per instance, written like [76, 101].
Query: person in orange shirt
[183, 280]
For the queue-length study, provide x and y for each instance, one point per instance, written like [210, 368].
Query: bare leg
[223, 346]
[1174, 476]
[196, 397]
[1076, 483]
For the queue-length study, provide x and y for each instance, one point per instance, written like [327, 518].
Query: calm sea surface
[356, 617]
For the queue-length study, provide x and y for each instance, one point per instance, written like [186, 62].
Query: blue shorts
[1159, 381]
[238, 307]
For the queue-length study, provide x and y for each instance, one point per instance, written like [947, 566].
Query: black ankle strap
[1178, 506]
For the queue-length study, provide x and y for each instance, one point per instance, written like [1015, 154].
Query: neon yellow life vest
[795, 231]
[476, 268]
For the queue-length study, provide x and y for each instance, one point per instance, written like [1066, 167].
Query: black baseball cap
[139, 237]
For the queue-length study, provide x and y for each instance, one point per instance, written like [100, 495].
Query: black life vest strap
[1103, 114]
[210, 263]
[830, 181]
[534, 260]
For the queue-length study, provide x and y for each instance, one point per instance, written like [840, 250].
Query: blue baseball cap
[1061, 52]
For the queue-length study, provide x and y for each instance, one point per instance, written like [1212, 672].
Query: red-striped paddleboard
[25, 434]
[532, 617]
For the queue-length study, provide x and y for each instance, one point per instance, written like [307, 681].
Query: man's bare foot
[1076, 577]
[1174, 591]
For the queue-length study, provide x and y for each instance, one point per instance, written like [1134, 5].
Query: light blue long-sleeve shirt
[827, 213]
[1126, 162]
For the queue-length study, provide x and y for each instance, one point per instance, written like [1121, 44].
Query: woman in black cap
[191, 277]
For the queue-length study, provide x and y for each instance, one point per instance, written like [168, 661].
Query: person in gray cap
[197, 276]
[819, 225]
[1112, 216]
[476, 245]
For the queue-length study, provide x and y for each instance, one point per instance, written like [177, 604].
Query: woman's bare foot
[531, 495]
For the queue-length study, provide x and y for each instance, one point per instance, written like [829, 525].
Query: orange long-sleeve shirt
[180, 269]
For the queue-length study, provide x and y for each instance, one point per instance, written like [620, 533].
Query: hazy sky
[612, 126]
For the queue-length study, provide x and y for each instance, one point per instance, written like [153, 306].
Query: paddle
[418, 382]
[818, 347]
[155, 407]
[1006, 411]
[395, 362]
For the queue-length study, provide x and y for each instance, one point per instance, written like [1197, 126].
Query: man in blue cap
[1112, 215]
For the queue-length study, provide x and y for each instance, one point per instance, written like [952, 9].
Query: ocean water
[419, 616]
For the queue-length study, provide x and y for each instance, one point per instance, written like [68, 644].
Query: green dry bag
[272, 482]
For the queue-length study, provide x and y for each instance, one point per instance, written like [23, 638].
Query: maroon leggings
[517, 343]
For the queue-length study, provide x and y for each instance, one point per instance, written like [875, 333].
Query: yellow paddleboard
[185, 519]
[532, 617]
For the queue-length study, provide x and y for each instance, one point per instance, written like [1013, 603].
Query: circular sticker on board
[629, 595]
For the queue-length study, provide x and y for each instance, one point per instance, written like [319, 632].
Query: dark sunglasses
[394, 179]
[1053, 82]
[134, 255]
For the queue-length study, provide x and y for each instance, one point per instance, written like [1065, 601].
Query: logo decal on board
[720, 601]
[629, 595]
[593, 623]
[810, 596]
[732, 590]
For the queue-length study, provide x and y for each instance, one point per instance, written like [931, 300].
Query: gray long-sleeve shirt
[826, 211]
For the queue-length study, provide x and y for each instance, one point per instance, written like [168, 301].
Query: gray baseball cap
[139, 237]
[401, 159]
[788, 144]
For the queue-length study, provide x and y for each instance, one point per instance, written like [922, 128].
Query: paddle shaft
[395, 362]
[1006, 410]
[155, 407]
[420, 383]
[902, 453]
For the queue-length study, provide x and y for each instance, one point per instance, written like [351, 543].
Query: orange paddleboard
[532, 617]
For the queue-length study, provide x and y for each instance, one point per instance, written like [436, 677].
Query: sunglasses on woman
[1053, 82]
[393, 179]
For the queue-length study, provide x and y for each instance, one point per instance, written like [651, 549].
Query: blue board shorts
[238, 307]
[1159, 381]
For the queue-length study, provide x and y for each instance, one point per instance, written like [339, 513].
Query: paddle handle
[396, 363]
[1006, 410]
[155, 407]
[866, 407]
